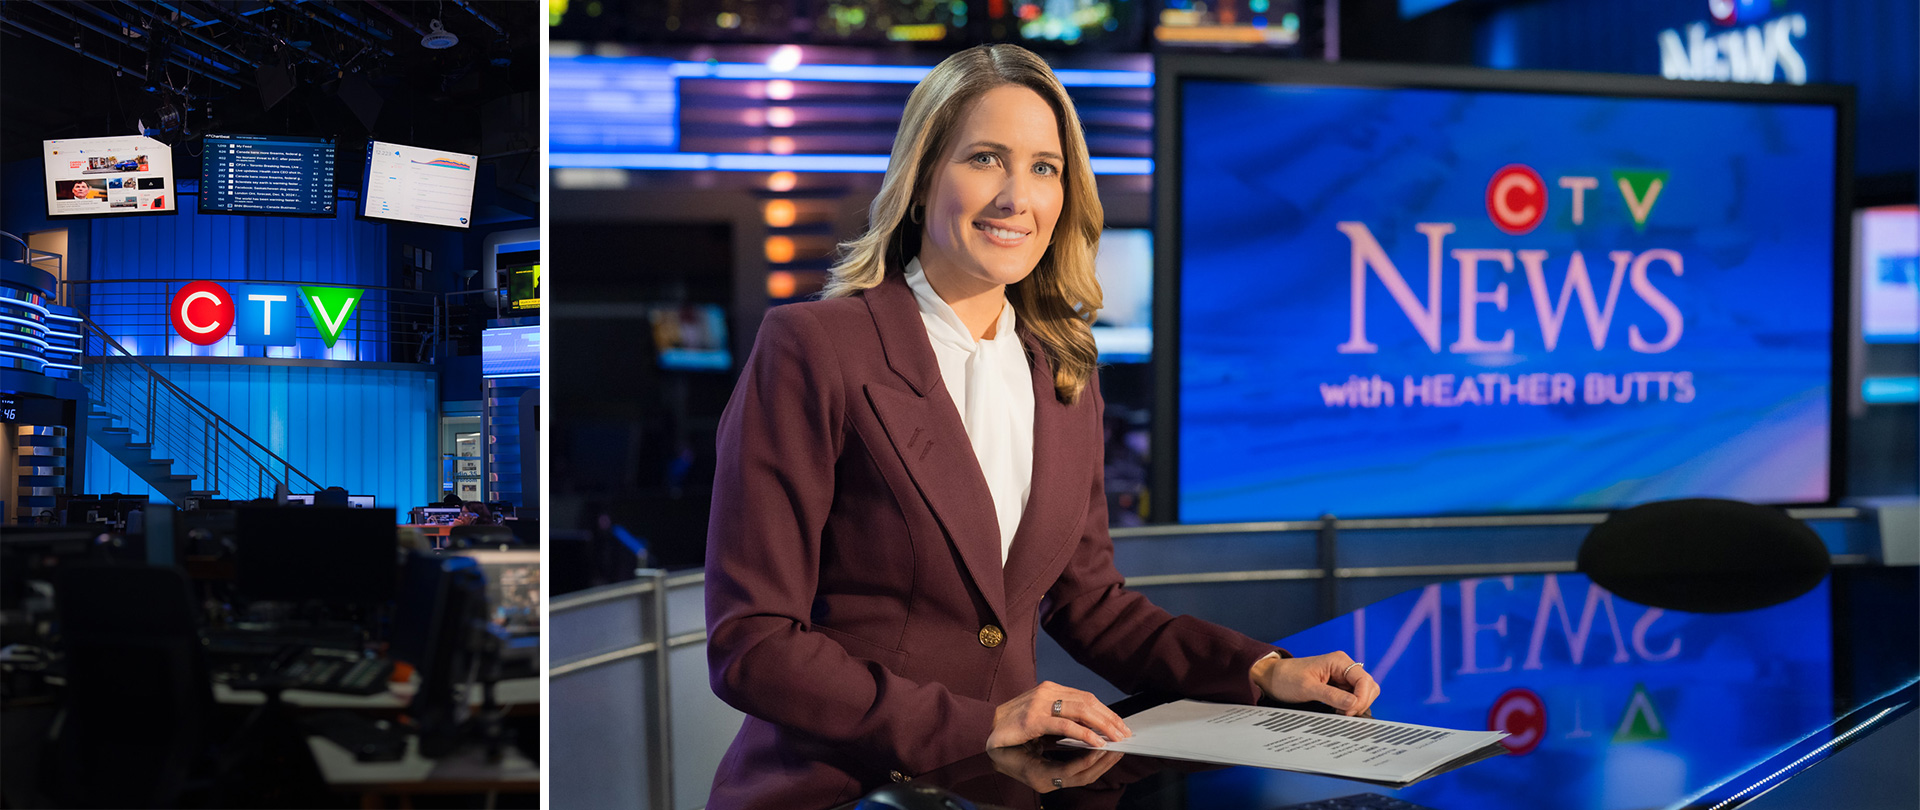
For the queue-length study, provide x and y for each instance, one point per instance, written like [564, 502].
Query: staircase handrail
[202, 409]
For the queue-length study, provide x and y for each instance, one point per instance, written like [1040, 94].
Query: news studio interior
[1553, 361]
[270, 375]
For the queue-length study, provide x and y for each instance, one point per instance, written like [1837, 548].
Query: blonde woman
[909, 483]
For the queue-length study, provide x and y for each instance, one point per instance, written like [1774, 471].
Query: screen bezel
[333, 181]
[47, 202]
[366, 179]
[1171, 70]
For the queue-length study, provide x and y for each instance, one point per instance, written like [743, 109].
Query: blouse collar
[945, 325]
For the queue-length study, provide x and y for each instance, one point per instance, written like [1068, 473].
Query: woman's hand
[1333, 679]
[1031, 716]
[1024, 764]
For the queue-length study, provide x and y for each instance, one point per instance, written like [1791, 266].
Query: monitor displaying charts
[267, 174]
[510, 351]
[416, 184]
[125, 174]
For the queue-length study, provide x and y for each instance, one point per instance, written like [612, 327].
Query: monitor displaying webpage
[416, 184]
[123, 174]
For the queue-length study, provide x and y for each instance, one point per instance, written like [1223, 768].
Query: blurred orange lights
[780, 117]
[780, 90]
[780, 213]
[780, 284]
[779, 250]
[782, 181]
[780, 145]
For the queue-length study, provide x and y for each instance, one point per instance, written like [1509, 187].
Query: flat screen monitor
[1123, 332]
[510, 351]
[523, 286]
[303, 500]
[1228, 24]
[690, 337]
[1410, 293]
[360, 501]
[440, 515]
[417, 184]
[1889, 262]
[125, 174]
[327, 553]
[513, 588]
[266, 174]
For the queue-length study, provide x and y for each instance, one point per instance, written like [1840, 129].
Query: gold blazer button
[898, 776]
[991, 636]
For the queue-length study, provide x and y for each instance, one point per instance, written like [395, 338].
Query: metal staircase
[172, 441]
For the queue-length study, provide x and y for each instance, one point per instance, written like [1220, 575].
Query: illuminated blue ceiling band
[694, 161]
[886, 74]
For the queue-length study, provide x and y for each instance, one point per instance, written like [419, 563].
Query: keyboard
[1358, 801]
[318, 670]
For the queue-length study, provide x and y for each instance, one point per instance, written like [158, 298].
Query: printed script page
[1289, 739]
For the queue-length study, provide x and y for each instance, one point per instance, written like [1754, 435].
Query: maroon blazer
[857, 608]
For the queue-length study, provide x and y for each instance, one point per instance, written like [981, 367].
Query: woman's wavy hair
[1059, 299]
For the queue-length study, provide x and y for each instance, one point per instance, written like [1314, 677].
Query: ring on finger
[1057, 706]
[1058, 782]
[1343, 673]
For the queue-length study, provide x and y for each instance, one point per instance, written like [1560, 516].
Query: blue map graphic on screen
[1416, 302]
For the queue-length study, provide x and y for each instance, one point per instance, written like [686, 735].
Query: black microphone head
[908, 796]
[1704, 555]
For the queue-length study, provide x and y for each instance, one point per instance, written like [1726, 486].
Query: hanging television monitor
[123, 174]
[1889, 262]
[1410, 292]
[266, 174]
[417, 184]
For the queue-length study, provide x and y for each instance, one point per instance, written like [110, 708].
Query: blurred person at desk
[910, 479]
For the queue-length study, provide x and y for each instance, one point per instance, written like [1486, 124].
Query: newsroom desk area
[1772, 708]
[270, 656]
[628, 660]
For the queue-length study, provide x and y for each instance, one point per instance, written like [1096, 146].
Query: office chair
[1704, 555]
[138, 699]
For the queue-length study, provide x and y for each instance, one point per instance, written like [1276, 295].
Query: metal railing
[225, 458]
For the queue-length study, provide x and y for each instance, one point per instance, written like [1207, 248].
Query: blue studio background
[1744, 204]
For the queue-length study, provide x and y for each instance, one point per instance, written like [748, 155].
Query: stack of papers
[1359, 748]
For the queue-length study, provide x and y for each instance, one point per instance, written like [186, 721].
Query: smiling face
[995, 193]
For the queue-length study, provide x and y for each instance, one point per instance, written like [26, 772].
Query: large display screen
[416, 184]
[1123, 332]
[1402, 301]
[266, 174]
[511, 351]
[124, 174]
[1889, 257]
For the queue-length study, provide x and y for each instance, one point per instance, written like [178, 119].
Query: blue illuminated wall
[371, 430]
[188, 245]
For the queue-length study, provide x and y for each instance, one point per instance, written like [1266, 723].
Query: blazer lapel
[925, 430]
[1058, 500]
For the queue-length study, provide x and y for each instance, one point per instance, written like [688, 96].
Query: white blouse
[992, 386]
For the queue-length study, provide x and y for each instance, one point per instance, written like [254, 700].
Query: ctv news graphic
[1406, 302]
[108, 175]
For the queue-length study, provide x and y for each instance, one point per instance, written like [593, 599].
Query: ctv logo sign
[1749, 48]
[204, 312]
[1517, 201]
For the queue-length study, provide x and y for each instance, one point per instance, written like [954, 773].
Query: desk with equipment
[311, 656]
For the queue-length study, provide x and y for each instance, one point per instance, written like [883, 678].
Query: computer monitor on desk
[334, 554]
[303, 500]
[439, 515]
[360, 501]
[513, 589]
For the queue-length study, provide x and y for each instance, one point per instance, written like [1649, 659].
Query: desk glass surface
[1611, 704]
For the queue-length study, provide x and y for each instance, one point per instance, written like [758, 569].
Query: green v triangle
[330, 308]
[1639, 188]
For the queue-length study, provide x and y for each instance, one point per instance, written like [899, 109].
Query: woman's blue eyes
[990, 158]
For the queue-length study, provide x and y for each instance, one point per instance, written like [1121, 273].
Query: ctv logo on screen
[204, 312]
[1517, 201]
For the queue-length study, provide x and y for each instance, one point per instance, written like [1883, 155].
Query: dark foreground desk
[1612, 705]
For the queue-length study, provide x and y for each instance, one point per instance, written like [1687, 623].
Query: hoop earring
[914, 213]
